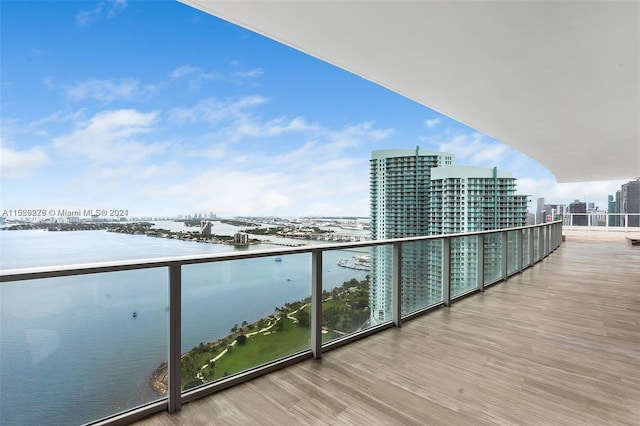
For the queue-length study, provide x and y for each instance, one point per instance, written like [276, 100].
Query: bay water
[71, 350]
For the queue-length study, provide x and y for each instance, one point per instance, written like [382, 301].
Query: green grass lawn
[260, 349]
[275, 344]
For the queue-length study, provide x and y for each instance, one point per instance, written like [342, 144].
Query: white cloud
[212, 111]
[116, 7]
[431, 123]
[251, 126]
[368, 131]
[110, 136]
[325, 172]
[87, 17]
[254, 73]
[476, 149]
[194, 76]
[338, 186]
[57, 117]
[18, 164]
[184, 71]
[108, 90]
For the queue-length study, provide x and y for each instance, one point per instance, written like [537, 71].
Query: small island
[145, 228]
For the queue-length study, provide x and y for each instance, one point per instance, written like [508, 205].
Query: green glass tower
[418, 193]
[400, 182]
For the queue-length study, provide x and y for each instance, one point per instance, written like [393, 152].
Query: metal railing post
[446, 271]
[480, 259]
[175, 338]
[397, 285]
[316, 304]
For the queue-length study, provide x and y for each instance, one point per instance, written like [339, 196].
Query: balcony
[505, 253]
[552, 342]
[557, 344]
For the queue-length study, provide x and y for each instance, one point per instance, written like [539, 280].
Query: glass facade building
[470, 199]
[418, 193]
[400, 181]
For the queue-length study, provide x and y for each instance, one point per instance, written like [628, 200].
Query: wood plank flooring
[556, 345]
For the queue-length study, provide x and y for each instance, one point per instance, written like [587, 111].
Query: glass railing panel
[492, 258]
[526, 254]
[381, 285]
[512, 252]
[76, 349]
[346, 292]
[240, 314]
[615, 220]
[579, 220]
[421, 275]
[536, 242]
[464, 265]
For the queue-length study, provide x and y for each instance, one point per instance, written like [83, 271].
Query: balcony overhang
[556, 80]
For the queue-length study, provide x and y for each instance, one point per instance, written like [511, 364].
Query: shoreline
[158, 379]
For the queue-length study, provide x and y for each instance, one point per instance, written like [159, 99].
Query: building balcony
[522, 315]
[557, 344]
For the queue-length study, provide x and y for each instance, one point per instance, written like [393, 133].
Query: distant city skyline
[160, 109]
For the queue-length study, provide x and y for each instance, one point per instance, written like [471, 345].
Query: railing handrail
[21, 274]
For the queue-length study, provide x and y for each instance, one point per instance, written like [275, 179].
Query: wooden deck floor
[556, 345]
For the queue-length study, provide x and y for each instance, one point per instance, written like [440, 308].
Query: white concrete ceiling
[557, 80]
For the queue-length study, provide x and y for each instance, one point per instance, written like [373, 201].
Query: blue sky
[160, 109]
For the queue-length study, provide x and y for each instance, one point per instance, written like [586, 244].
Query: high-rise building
[416, 193]
[470, 199]
[540, 211]
[576, 208]
[631, 201]
[627, 202]
[552, 212]
[400, 182]
[612, 208]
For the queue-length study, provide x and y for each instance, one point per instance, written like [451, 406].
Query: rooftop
[557, 344]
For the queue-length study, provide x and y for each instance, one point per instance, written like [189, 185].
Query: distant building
[631, 201]
[241, 238]
[575, 209]
[613, 208]
[540, 211]
[400, 180]
[469, 199]
[552, 212]
[626, 202]
[205, 227]
[416, 193]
